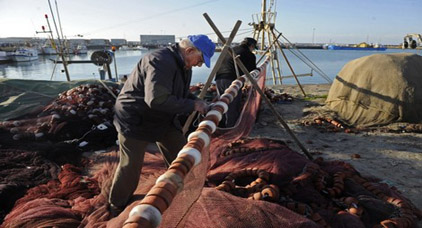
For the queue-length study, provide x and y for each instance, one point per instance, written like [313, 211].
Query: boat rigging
[268, 36]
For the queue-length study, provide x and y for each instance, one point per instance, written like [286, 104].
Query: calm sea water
[329, 61]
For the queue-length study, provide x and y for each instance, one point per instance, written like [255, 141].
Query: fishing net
[34, 145]
[72, 115]
[378, 89]
[247, 182]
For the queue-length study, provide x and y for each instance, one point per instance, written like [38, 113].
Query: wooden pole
[115, 66]
[256, 86]
[263, 22]
[109, 71]
[257, 38]
[275, 59]
[269, 48]
[272, 70]
[272, 62]
[55, 65]
[278, 67]
[266, 51]
[235, 65]
[278, 116]
[217, 65]
[288, 63]
[61, 52]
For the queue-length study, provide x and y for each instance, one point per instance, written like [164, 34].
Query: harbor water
[329, 61]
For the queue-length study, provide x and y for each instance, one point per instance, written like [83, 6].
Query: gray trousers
[132, 153]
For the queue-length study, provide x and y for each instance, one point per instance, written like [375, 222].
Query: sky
[301, 21]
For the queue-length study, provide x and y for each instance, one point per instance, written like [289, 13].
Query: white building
[118, 42]
[157, 40]
[98, 43]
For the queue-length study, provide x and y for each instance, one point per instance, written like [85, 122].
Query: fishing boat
[362, 47]
[48, 49]
[132, 48]
[80, 50]
[141, 48]
[24, 55]
[4, 57]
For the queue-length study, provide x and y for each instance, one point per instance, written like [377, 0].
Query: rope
[30, 91]
[108, 89]
[305, 59]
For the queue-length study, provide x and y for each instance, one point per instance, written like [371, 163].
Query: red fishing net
[245, 183]
[34, 146]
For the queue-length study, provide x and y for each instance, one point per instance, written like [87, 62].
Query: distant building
[21, 41]
[75, 42]
[133, 43]
[156, 40]
[118, 42]
[98, 44]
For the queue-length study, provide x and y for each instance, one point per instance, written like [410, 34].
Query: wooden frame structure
[264, 34]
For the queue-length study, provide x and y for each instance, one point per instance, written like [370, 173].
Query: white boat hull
[80, 50]
[4, 57]
[23, 58]
[24, 55]
[49, 51]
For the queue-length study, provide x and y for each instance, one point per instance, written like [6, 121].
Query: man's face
[193, 57]
[252, 47]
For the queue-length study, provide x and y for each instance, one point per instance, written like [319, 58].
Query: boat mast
[61, 44]
[264, 20]
[265, 28]
[262, 33]
[52, 43]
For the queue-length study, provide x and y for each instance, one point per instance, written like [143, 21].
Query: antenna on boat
[52, 43]
[61, 45]
[65, 41]
[58, 18]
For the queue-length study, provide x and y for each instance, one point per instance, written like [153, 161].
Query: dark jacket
[227, 70]
[155, 93]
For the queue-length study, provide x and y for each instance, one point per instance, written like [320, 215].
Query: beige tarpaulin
[19, 97]
[379, 89]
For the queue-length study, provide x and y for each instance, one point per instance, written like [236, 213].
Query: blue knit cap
[205, 45]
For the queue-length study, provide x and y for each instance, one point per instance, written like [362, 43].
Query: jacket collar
[174, 49]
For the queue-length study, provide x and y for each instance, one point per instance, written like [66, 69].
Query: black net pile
[71, 116]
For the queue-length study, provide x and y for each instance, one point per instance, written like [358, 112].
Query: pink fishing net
[245, 183]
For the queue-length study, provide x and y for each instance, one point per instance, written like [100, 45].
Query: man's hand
[201, 106]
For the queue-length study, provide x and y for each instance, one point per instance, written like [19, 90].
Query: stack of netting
[69, 116]
[245, 183]
[33, 147]
[330, 193]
